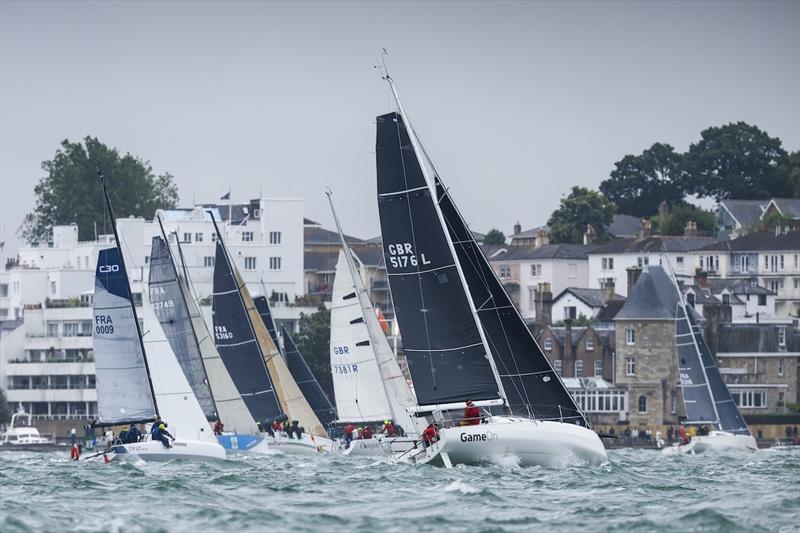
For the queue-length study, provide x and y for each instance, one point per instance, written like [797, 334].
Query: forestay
[307, 382]
[123, 388]
[531, 385]
[445, 352]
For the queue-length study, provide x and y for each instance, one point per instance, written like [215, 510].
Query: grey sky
[516, 101]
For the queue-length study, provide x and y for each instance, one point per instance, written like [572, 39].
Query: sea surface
[638, 490]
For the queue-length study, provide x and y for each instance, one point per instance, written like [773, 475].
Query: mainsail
[173, 315]
[532, 387]
[307, 382]
[446, 354]
[124, 393]
[266, 316]
[696, 393]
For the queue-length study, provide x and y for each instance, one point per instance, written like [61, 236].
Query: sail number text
[345, 369]
[103, 325]
[402, 254]
[221, 333]
[341, 350]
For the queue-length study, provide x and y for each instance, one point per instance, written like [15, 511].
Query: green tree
[494, 236]
[70, 190]
[776, 220]
[792, 169]
[676, 220]
[5, 412]
[313, 342]
[582, 207]
[639, 183]
[737, 161]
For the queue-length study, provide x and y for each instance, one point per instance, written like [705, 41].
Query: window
[274, 263]
[600, 401]
[642, 261]
[578, 368]
[247, 236]
[679, 262]
[673, 402]
[274, 237]
[557, 366]
[250, 263]
[52, 329]
[630, 366]
[781, 366]
[198, 237]
[214, 236]
[53, 287]
[642, 404]
[690, 299]
[726, 298]
[208, 261]
[608, 263]
[701, 262]
[630, 336]
[3, 290]
[797, 283]
[781, 402]
[782, 337]
[570, 312]
[505, 271]
[187, 237]
[531, 299]
[762, 300]
[548, 344]
[86, 328]
[146, 259]
[781, 263]
[70, 329]
[598, 368]
[536, 270]
[775, 285]
[750, 398]
[589, 344]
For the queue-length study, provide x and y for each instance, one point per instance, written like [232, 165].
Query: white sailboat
[135, 382]
[463, 338]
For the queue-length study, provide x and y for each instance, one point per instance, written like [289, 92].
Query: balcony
[379, 285]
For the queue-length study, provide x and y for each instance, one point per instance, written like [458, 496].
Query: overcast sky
[516, 101]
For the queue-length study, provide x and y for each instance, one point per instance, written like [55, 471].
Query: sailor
[683, 435]
[296, 430]
[287, 428]
[472, 415]
[429, 436]
[366, 433]
[218, 427]
[276, 426]
[159, 432]
[389, 429]
[75, 452]
[348, 435]
[133, 434]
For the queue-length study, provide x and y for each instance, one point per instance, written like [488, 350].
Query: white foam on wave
[506, 461]
[460, 486]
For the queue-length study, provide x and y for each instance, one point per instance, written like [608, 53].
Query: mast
[128, 286]
[419, 151]
[180, 252]
[183, 298]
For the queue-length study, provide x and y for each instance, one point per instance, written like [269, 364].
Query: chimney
[663, 212]
[517, 228]
[715, 315]
[544, 305]
[542, 238]
[690, 229]
[700, 278]
[568, 368]
[645, 229]
[589, 235]
[609, 289]
[633, 277]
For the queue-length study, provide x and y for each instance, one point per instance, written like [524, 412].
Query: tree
[494, 236]
[639, 183]
[676, 220]
[738, 161]
[5, 412]
[313, 342]
[792, 169]
[582, 207]
[70, 191]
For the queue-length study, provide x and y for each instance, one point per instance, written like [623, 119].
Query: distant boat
[463, 338]
[188, 335]
[21, 435]
[137, 378]
[255, 365]
[369, 385]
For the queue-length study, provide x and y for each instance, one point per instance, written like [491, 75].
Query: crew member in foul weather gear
[389, 429]
[348, 435]
[218, 427]
[159, 432]
[472, 415]
[296, 430]
[366, 433]
[133, 434]
[430, 435]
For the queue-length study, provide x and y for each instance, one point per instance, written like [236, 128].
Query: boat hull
[376, 446]
[239, 442]
[716, 441]
[521, 442]
[155, 451]
[307, 445]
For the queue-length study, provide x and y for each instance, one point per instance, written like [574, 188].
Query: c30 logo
[478, 437]
[105, 269]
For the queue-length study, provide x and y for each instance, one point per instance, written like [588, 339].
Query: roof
[736, 286]
[548, 251]
[609, 310]
[531, 233]
[319, 235]
[653, 297]
[758, 242]
[746, 212]
[654, 244]
[754, 338]
[624, 226]
[788, 206]
[309, 222]
[236, 213]
[371, 256]
[591, 297]
[559, 332]
[702, 295]
[320, 261]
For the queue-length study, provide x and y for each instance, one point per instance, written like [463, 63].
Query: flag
[226, 196]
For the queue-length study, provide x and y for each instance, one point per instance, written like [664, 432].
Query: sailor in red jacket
[348, 434]
[472, 415]
[366, 433]
[429, 436]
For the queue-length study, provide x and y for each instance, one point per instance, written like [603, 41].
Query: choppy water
[639, 490]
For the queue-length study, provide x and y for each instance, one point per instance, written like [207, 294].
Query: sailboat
[369, 385]
[463, 338]
[707, 400]
[138, 376]
[188, 335]
[255, 365]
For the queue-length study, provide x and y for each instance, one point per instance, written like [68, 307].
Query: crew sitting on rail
[472, 415]
[133, 435]
[296, 430]
[159, 432]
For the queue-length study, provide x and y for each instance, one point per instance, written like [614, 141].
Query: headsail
[262, 304]
[168, 304]
[123, 387]
[307, 382]
[531, 385]
[445, 350]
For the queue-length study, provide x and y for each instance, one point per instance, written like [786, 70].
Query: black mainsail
[307, 382]
[532, 387]
[445, 351]
[237, 344]
[173, 315]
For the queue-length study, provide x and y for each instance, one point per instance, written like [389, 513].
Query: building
[574, 303]
[737, 218]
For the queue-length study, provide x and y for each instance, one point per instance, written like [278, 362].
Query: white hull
[715, 441]
[376, 446]
[151, 450]
[307, 445]
[507, 440]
